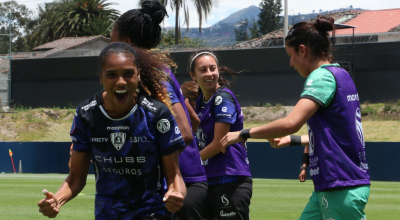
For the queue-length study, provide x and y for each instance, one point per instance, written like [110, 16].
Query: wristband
[245, 134]
[295, 140]
[306, 159]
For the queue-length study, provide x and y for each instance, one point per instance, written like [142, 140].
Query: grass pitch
[273, 199]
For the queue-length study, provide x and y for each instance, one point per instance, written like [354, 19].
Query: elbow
[187, 138]
[292, 127]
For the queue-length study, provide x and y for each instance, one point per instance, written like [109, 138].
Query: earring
[137, 90]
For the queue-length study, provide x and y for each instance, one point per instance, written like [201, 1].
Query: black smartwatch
[302, 168]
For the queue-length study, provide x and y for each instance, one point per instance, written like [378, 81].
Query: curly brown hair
[152, 74]
[151, 66]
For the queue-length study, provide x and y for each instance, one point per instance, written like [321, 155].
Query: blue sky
[223, 8]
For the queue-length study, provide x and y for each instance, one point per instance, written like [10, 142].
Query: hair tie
[205, 52]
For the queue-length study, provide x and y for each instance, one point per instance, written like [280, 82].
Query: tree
[269, 19]
[77, 14]
[70, 18]
[19, 16]
[203, 7]
[241, 30]
[168, 39]
[97, 26]
[313, 11]
[43, 26]
[254, 30]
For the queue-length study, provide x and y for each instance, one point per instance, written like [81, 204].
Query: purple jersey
[234, 162]
[127, 155]
[337, 149]
[189, 160]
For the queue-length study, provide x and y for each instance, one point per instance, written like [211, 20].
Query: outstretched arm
[303, 110]
[288, 140]
[74, 184]
[176, 187]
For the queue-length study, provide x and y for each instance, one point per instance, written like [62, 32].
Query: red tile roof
[373, 22]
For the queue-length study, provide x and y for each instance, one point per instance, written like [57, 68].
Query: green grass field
[272, 199]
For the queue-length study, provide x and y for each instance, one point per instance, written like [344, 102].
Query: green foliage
[269, 19]
[20, 16]
[241, 30]
[254, 30]
[168, 39]
[203, 7]
[78, 14]
[368, 110]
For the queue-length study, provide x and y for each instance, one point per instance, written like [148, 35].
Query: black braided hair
[142, 26]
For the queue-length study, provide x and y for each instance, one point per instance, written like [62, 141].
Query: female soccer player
[330, 106]
[229, 178]
[141, 28]
[130, 134]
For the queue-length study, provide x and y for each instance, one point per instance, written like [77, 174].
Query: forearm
[69, 189]
[177, 184]
[210, 150]
[276, 129]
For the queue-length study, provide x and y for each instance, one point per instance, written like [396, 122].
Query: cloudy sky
[223, 8]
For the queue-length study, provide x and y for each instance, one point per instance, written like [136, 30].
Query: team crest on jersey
[118, 139]
[218, 100]
[163, 125]
[201, 138]
[359, 128]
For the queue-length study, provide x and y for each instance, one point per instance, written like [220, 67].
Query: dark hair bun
[323, 23]
[155, 10]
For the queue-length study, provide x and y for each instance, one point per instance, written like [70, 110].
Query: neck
[317, 63]
[208, 94]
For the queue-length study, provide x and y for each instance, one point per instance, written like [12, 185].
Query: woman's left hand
[229, 139]
[173, 200]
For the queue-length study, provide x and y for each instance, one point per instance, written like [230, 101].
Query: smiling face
[120, 78]
[206, 73]
[297, 59]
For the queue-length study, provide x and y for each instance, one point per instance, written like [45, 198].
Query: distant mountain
[222, 32]
[250, 13]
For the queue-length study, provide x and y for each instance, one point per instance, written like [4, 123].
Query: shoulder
[88, 106]
[223, 95]
[319, 74]
[151, 104]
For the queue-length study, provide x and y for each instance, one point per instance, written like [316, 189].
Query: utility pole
[285, 20]
[9, 56]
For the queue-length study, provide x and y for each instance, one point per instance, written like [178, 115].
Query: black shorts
[192, 209]
[229, 200]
